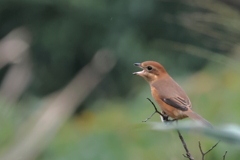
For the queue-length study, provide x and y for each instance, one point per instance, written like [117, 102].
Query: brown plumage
[171, 98]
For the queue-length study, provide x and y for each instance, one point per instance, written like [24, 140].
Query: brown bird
[171, 98]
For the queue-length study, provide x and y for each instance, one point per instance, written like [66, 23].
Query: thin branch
[212, 147]
[203, 154]
[149, 117]
[156, 111]
[224, 155]
[200, 147]
[188, 154]
[165, 118]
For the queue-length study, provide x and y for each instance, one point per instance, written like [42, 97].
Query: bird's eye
[149, 68]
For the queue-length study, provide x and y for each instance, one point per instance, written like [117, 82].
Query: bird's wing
[177, 102]
[172, 94]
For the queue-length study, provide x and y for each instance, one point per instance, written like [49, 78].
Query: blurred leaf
[229, 133]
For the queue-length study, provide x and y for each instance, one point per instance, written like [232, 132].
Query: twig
[165, 118]
[203, 154]
[188, 154]
[224, 155]
[156, 111]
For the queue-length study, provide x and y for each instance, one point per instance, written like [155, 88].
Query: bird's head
[151, 70]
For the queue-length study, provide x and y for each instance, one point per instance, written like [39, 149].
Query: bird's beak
[137, 64]
[139, 72]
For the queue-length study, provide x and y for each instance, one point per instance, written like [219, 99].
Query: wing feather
[177, 102]
[172, 94]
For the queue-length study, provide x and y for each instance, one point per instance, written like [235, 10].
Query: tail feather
[198, 118]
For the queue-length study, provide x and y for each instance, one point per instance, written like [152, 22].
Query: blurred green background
[45, 44]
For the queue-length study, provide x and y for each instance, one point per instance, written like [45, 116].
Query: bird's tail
[198, 118]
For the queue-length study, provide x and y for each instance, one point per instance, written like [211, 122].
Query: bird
[168, 94]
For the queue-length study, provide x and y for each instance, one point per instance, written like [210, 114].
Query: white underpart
[161, 118]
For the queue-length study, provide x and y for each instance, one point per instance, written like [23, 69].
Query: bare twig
[149, 117]
[224, 155]
[188, 154]
[165, 118]
[203, 154]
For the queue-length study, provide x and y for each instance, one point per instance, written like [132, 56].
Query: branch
[224, 155]
[203, 154]
[165, 119]
[188, 154]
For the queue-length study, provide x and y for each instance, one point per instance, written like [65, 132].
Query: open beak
[139, 72]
